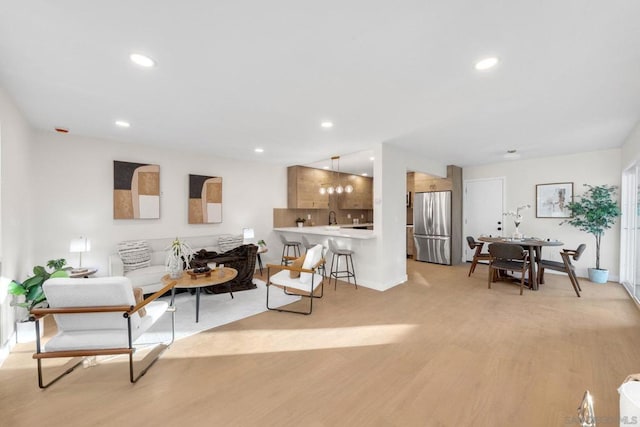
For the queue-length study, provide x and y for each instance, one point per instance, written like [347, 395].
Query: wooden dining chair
[508, 257]
[478, 254]
[564, 266]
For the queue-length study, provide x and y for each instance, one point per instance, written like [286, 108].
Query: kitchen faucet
[332, 214]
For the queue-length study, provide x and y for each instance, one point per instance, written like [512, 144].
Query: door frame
[503, 181]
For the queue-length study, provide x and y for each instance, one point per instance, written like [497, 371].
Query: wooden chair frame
[522, 268]
[568, 268]
[478, 255]
[127, 312]
[298, 292]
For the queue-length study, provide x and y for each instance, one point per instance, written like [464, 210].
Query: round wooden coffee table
[217, 277]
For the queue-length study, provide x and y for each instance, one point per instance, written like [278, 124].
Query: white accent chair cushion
[312, 257]
[96, 330]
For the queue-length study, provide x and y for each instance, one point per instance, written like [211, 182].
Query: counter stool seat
[335, 273]
[289, 244]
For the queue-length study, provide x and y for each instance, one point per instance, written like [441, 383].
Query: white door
[483, 206]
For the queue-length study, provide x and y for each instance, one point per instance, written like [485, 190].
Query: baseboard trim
[7, 347]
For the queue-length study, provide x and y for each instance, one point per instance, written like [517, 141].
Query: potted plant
[300, 221]
[262, 244]
[29, 294]
[179, 256]
[594, 212]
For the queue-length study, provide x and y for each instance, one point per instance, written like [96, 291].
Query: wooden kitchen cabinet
[303, 188]
[423, 182]
[362, 195]
[410, 242]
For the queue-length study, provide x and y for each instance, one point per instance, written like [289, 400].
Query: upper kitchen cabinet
[303, 190]
[362, 195]
[423, 182]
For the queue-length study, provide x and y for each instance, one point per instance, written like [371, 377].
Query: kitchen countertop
[344, 231]
[362, 224]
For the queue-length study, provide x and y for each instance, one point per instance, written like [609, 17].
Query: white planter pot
[598, 275]
[26, 331]
[300, 224]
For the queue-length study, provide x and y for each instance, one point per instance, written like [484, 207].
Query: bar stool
[288, 244]
[308, 245]
[350, 272]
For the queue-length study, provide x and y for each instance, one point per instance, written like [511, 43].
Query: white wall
[16, 169]
[521, 177]
[73, 192]
[631, 147]
[390, 209]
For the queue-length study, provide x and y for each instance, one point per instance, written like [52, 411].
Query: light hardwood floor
[439, 350]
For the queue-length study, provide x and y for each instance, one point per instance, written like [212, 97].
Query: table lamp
[248, 235]
[80, 245]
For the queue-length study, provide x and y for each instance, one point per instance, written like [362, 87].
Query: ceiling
[234, 76]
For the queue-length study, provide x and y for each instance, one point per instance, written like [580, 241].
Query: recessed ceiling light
[142, 60]
[327, 124]
[325, 167]
[486, 63]
[372, 158]
[365, 174]
[259, 150]
[123, 124]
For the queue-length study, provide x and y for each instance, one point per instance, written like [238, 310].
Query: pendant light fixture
[337, 189]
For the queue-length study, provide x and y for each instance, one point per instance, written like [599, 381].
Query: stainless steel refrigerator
[432, 227]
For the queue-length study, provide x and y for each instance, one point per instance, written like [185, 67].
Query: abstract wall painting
[205, 199]
[136, 190]
[552, 200]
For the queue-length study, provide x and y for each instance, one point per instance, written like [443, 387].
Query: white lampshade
[81, 244]
[248, 234]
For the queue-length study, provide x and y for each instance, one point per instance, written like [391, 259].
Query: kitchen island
[346, 231]
[361, 242]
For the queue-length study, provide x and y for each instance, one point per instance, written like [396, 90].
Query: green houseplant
[31, 288]
[300, 221]
[595, 212]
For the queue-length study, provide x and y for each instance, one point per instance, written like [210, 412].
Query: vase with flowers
[179, 256]
[517, 219]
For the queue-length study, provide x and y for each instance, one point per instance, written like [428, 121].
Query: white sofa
[149, 278]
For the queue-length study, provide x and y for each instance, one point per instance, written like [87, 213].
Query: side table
[261, 250]
[82, 272]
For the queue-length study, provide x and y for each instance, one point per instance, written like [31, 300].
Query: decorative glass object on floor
[585, 411]
[517, 219]
[179, 256]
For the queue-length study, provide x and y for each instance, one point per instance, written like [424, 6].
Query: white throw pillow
[311, 258]
[135, 254]
[228, 242]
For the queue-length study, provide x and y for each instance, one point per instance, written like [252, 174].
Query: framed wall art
[552, 200]
[205, 199]
[136, 190]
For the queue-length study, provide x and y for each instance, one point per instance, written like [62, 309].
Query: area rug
[215, 310]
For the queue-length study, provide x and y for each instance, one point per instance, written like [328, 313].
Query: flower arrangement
[179, 253]
[517, 216]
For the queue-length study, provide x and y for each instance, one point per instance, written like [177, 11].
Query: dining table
[534, 246]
